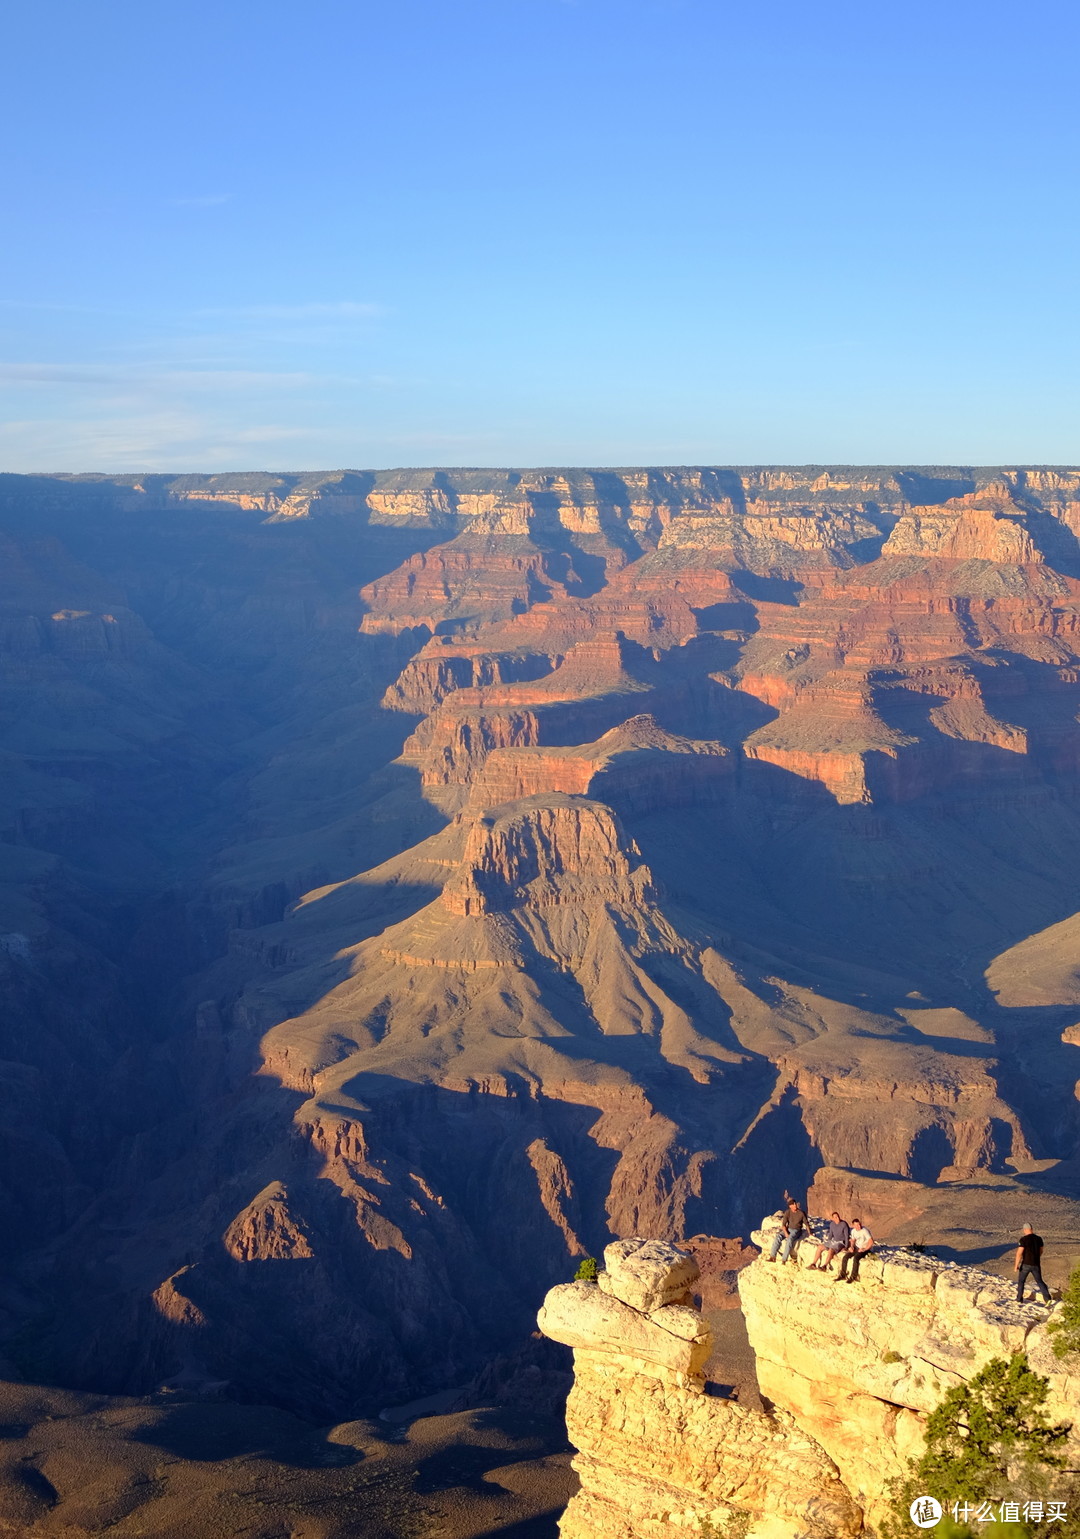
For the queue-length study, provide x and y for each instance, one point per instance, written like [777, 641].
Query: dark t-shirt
[794, 1219]
[1030, 1249]
[839, 1232]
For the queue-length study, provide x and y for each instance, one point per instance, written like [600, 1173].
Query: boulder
[647, 1274]
[582, 1316]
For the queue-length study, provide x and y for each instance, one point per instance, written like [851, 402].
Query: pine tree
[987, 1439]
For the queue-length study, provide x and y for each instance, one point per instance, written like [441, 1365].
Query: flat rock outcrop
[860, 1367]
[848, 1374]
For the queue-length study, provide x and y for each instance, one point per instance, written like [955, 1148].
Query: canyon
[413, 881]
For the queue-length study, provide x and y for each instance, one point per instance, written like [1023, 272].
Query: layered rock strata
[398, 868]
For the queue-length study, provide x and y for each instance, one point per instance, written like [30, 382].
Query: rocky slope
[412, 880]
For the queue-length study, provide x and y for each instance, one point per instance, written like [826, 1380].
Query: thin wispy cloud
[120, 432]
[150, 378]
[169, 439]
[49, 304]
[441, 440]
[316, 310]
[195, 387]
[341, 309]
[52, 374]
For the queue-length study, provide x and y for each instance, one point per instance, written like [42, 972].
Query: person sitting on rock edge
[1028, 1263]
[839, 1233]
[793, 1226]
[860, 1242]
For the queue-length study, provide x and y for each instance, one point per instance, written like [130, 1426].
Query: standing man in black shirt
[1029, 1264]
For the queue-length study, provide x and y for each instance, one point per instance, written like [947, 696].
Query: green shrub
[987, 1439]
[1064, 1328]
[891, 1357]
[587, 1270]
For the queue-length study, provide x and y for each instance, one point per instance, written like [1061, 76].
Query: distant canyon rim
[411, 881]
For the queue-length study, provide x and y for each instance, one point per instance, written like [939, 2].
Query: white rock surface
[859, 1368]
[581, 1315]
[658, 1459]
[647, 1274]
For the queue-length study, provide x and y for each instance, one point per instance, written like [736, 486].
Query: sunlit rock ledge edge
[847, 1377]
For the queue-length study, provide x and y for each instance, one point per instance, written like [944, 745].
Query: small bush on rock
[587, 1270]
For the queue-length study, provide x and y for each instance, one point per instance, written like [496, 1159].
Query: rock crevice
[657, 1454]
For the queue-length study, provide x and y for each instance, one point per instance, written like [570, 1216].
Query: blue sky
[483, 232]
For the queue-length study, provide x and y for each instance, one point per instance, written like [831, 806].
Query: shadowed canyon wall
[411, 880]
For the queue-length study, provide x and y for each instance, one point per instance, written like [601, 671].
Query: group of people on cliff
[852, 1241]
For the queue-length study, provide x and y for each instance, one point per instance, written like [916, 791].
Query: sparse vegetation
[891, 1357]
[735, 1527]
[587, 1270]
